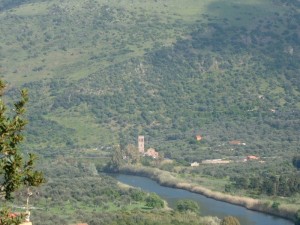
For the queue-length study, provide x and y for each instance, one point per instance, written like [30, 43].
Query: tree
[297, 221]
[296, 162]
[230, 220]
[187, 205]
[154, 201]
[6, 218]
[133, 154]
[116, 160]
[15, 171]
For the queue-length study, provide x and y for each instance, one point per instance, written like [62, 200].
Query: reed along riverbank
[166, 178]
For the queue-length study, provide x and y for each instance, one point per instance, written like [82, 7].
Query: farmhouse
[194, 164]
[252, 157]
[198, 137]
[215, 161]
[151, 153]
[236, 142]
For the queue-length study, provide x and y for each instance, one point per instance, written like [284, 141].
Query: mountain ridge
[101, 73]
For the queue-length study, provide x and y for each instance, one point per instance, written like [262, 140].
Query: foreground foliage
[15, 171]
[7, 219]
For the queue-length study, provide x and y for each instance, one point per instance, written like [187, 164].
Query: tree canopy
[296, 161]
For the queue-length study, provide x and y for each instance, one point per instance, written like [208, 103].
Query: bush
[187, 205]
[275, 205]
[230, 220]
[296, 162]
[154, 201]
[297, 222]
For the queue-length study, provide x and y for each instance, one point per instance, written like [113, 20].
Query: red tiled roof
[198, 137]
[235, 142]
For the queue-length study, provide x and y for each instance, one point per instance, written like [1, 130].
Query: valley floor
[165, 178]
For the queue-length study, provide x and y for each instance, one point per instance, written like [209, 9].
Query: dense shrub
[187, 205]
[230, 220]
[154, 201]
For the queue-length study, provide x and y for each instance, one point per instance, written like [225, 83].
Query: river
[208, 206]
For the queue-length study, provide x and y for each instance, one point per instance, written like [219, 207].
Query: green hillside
[102, 72]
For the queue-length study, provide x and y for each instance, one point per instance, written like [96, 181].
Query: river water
[208, 206]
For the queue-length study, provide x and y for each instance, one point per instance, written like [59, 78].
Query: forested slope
[100, 73]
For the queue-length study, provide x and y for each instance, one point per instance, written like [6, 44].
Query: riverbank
[166, 178]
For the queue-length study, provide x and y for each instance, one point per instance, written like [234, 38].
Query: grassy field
[86, 128]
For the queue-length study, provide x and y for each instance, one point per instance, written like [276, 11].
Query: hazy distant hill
[102, 72]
